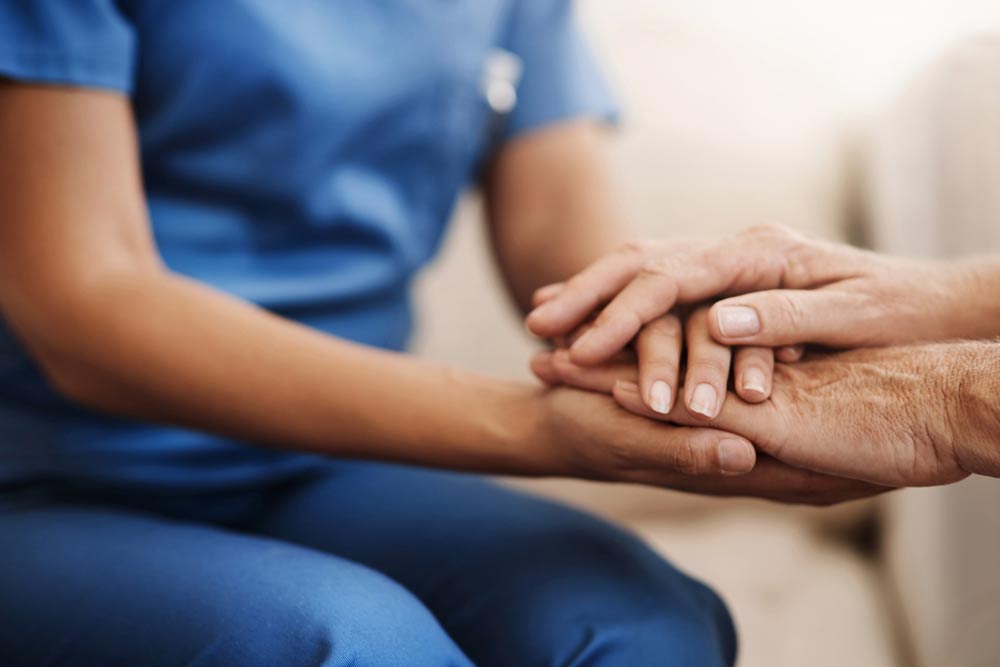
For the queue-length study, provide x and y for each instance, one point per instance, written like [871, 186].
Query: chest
[370, 76]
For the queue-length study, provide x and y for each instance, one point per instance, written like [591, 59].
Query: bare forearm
[159, 347]
[552, 207]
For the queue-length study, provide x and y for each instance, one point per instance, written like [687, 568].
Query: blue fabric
[359, 565]
[303, 156]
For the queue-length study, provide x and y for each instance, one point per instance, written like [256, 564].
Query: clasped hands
[781, 367]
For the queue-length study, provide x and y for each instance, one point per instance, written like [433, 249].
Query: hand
[658, 350]
[592, 437]
[816, 292]
[884, 416]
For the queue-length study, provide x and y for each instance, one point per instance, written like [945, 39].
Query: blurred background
[873, 121]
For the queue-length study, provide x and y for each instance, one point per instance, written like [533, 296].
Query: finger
[586, 291]
[546, 293]
[790, 354]
[592, 378]
[790, 317]
[624, 356]
[769, 480]
[757, 423]
[659, 351]
[686, 275]
[702, 450]
[542, 367]
[707, 368]
[762, 258]
[753, 368]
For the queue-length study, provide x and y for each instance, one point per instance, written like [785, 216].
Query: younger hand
[656, 360]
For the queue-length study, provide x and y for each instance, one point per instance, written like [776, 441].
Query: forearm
[162, 348]
[552, 207]
[975, 301]
[974, 394]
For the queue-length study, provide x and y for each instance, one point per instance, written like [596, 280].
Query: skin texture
[115, 330]
[914, 427]
[910, 415]
[794, 283]
[814, 420]
[667, 349]
[798, 291]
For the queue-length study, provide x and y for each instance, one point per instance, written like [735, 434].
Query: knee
[643, 611]
[367, 621]
[689, 629]
[605, 598]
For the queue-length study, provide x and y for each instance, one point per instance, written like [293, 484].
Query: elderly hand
[889, 416]
[793, 290]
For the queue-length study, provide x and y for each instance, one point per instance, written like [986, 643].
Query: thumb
[792, 317]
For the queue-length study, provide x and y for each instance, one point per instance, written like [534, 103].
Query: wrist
[975, 391]
[509, 425]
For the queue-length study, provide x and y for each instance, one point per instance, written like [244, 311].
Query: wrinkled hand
[884, 416]
[593, 437]
[792, 291]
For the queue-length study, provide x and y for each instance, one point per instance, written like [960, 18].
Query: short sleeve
[75, 42]
[561, 78]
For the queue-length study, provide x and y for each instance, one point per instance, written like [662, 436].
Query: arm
[113, 329]
[82, 285]
[551, 206]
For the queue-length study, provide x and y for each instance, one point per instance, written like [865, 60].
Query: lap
[514, 579]
[362, 564]
[82, 586]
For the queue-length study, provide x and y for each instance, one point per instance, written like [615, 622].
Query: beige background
[735, 113]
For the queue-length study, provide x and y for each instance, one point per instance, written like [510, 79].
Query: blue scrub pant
[356, 565]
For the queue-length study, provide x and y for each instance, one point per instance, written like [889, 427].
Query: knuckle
[708, 367]
[663, 327]
[581, 284]
[635, 248]
[626, 316]
[762, 358]
[682, 455]
[623, 455]
[798, 258]
[790, 309]
[658, 268]
[768, 230]
[659, 368]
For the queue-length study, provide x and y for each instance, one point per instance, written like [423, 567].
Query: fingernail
[628, 385]
[704, 400]
[736, 457]
[738, 321]
[754, 380]
[660, 397]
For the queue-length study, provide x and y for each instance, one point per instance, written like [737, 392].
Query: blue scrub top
[304, 156]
